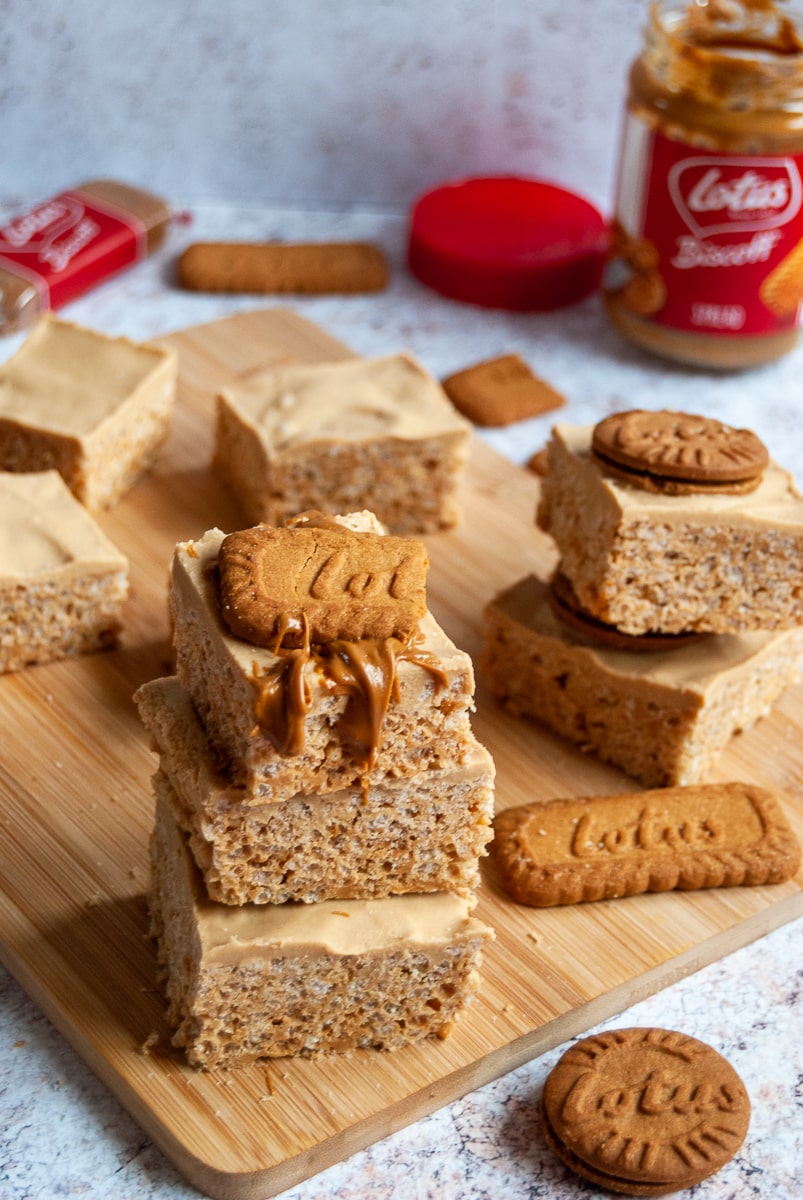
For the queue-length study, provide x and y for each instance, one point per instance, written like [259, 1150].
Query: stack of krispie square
[94, 408]
[675, 616]
[322, 803]
[376, 434]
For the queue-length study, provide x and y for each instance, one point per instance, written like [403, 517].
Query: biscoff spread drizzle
[365, 671]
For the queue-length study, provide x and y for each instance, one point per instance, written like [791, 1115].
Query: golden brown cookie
[644, 1112]
[312, 268]
[567, 609]
[500, 391]
[568, 851]
[279, 586]
[660, 449]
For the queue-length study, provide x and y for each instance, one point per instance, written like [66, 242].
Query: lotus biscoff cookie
[312, 268]
[644, 1112]
[499, 391]
[678, 453]
[329, 581]
[598, 848]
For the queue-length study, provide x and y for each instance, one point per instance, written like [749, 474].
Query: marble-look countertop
[63, 1134]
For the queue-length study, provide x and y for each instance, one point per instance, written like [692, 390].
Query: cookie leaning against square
[671, 522]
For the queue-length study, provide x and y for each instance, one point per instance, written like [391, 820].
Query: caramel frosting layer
[355, 400]
[231, 935]
[44, 531]
[774, 504]
[697, 668]
[68, 380]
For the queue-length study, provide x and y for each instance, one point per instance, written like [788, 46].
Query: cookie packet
[66, 245]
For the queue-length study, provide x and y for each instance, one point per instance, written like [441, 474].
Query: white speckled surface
[277, 101]
[62, 1134]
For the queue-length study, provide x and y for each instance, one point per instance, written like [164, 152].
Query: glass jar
[706, 257]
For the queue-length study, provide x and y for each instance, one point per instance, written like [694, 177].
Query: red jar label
[707, 242]
[70, 243]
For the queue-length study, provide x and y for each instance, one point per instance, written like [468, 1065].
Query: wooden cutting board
[76, 814]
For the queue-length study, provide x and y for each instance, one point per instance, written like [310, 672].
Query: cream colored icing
[775, 503]
[233, 934]
[67, 380]
[353, 400]
[698, 667]
[44, 531]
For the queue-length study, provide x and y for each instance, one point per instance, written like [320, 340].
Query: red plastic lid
[507, 242]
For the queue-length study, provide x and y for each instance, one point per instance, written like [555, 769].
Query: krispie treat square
[342, 436]
[62, 582]
[320, 720]
[650, 560]
[92, 407]
[422, 834]
[270, 980]
[663, 716]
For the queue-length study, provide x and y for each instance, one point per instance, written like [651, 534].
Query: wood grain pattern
[76, 814]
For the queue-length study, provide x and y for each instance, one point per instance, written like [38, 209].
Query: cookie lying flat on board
[644, 1112]
[599, 848]
[500, 391]
[336, 583]
[311, 268]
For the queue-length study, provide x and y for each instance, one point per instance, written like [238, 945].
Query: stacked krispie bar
[322, 802]
[675, 615]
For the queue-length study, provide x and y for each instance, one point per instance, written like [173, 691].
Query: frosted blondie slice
[63, 584]
[360, 433]
[421, 834]
[723, 561]
[94, 408]
[265, 981]
[663, 716]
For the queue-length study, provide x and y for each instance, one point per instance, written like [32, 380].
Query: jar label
[707, 242]
[69, 243]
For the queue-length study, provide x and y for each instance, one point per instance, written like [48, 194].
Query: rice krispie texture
[644, 561]
[378, 433]
[236, 690]
[264, 981]
[92, 407]
[63, 584]
[422, 834]
[664, 717]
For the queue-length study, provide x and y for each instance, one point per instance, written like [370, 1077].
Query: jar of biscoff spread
[706, 257]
